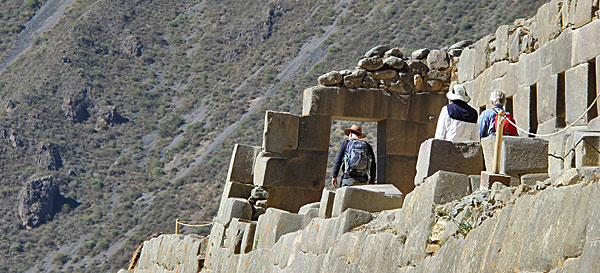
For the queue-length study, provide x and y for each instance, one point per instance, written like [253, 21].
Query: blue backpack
[356, 158]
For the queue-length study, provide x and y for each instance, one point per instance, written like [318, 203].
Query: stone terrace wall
[547, 65]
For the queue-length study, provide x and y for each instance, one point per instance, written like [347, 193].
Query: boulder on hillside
[75, 104]
[132, 46]
[108, 116]
[48, 156]
[38, 201]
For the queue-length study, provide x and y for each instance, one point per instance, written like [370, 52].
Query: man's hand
[334, 182]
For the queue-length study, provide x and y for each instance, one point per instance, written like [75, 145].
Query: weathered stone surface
[377, 51]
[308, 207]
[488, 179]
[523, 155]
[397, 170]
[371, 64]
[487, 146]
[462, 44]
[437, 75]
[241, 166]
[419, 83]
[500, 44]
[313, 133]
[425, 108]
[584, 12]
[269, 170]
[420, 54]
[323, 233]
[234, 235]
[417, 67]
[234, 208]
[459, 157]
[291, 199]
[561, 52]
[448, 186]
[438, 60]
[514, 45]
[532, 178]
[330, 79]
[364, 199]
[37, 201]
[326, 203]
[546, 95]
[305, 169]
[547, 26]
[398, 137]
[281, 132]
[475, 181]
[530, 72]
[48, 156]
[276, 223]
[576, 93]
[170, 253]
[385, 74]
[394, 52]
[585, 43]
[586, 152]
[394, 62]
[354, 104]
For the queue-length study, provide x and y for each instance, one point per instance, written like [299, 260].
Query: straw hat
[355, 129]
[458, 92]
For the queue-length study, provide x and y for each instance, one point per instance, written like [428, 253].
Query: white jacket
[455, 130]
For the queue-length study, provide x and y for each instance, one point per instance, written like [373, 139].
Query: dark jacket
[340, 159]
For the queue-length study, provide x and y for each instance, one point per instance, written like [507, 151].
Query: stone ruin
[275, 216]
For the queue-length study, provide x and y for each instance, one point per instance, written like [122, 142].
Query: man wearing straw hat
[358, 159]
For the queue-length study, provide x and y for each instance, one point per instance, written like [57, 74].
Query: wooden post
[177, 226]
[498, 144]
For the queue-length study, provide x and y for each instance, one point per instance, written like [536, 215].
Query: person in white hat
[457, 120]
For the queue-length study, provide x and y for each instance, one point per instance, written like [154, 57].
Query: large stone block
[586, 153]
[532, 178]
[354, 104]
[584, 11]
[521, 155]
[364, 199]
[326, 203]
[585, 43]
[546, 95]
[276, 223]
[561, 52]
[557, 150]
[234, 235]
[397, 137]
[269, 170]
[466, 65]
[546, 26]
[281, 132]
[425, 107]
[397, 170]
[234, 208]
[460, 157]
[305, 169]
[448, 186]
[487, 146]
[313, 133]
[482, 50]
[291, 199]
[500, 45]
[531, 69]
[241, 166]
[522, 112]
[576, 93]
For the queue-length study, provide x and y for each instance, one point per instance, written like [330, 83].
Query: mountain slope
[190, 79]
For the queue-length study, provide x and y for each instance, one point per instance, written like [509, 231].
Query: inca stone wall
[275, 216]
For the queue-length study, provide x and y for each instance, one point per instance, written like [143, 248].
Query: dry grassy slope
[205, 66]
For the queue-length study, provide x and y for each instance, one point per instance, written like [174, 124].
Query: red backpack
[509, 129]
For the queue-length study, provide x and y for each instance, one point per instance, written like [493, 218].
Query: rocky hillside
[131, 108]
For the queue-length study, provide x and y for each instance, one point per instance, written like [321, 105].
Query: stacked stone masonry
[275, 216]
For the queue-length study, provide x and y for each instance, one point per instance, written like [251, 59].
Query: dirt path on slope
[45, 18]
[310, 54]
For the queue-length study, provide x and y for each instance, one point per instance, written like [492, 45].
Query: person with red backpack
[357, 158]
[488, 119]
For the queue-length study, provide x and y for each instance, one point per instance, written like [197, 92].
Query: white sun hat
[458, 92]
